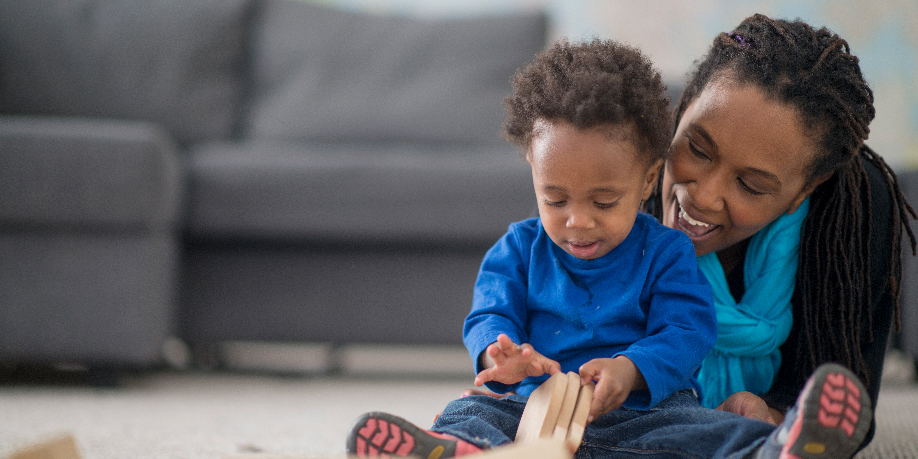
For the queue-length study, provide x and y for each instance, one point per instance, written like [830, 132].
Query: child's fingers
[597, 405]
[608, 395]
[605, 399]
[507, 345]
[602, 401]
[552, 367]
[483, 377]
[547, 366]
[526, 350]
[588, 372]
[495, 353]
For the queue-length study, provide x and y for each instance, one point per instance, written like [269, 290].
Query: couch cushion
[327, 74]
[87, 175]
[261, 190]
[176, 63]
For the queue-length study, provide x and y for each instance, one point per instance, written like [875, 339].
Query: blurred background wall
[675, 33]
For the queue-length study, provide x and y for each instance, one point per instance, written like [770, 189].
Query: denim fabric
[678, 427]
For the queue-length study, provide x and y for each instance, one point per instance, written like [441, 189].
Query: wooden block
[541, 413]
[567, 406]
[539, 448]
[581, 413]
[62, 447]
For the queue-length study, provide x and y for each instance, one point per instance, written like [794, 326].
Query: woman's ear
[807, 191]
[650, 179]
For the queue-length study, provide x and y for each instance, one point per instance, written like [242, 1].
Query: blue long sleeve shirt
[645, 300]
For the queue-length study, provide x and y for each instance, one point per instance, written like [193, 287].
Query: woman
[776, 112]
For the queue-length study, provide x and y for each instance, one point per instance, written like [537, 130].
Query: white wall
[674, 33]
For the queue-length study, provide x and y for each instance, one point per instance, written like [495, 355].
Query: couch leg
[103, 376]
[206, 356]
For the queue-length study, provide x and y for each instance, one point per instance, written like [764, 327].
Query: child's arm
[615, 379]
[506, 362]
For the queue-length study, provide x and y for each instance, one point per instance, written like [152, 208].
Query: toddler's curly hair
[600, 82]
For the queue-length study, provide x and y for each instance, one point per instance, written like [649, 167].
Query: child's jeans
[678, 427]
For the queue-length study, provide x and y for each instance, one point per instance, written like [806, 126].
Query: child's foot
[384, 435]
[830, 419]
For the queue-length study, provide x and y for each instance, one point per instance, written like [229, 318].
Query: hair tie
[740, 39]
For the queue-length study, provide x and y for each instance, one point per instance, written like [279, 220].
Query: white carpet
[209, 416]
[213, 415]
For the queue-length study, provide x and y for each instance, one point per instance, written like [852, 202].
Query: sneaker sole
[384, 435]
[834, 419]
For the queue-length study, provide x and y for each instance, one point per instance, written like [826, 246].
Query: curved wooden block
[579, 419]
[567, 406]
[541, 413]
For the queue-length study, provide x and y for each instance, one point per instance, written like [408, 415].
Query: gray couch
[266, 170]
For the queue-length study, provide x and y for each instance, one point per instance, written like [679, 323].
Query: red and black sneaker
[379, 434]
[833, 414]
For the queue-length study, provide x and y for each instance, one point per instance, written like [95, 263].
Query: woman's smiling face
[739, 160]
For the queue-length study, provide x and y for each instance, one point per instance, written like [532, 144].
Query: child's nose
[580, 219]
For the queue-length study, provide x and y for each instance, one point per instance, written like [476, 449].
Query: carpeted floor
[213, 415]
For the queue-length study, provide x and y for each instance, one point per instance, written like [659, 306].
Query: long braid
[835, 268]
[814, 71]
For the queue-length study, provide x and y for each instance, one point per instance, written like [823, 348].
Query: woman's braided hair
[813, 71]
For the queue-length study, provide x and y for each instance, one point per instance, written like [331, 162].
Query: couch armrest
[92, 175]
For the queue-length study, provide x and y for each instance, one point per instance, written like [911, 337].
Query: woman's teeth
[691, 220]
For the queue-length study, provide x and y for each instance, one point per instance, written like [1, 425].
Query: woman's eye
[695, 151]
[748, 188]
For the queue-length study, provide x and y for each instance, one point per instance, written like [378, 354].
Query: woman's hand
[615, 379]
[509, 363]
[751, 406]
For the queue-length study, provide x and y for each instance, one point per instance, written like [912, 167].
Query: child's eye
[555, 203]
[605, 205]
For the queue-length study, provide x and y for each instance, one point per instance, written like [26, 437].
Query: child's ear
[651, 177]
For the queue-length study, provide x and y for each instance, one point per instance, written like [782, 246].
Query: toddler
[592, 285]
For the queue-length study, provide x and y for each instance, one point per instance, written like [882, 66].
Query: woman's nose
[707, 193]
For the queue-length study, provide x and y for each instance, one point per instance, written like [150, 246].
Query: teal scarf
[746, 356]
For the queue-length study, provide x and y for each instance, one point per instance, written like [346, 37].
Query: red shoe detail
[465, 448]
[368, 428]
[833, 416]
[839, 406]
[395, 438]
[847, 426]
[792, 436]
[381, 435]
[854, 401]
[406, 447]
[852, 388]
[384, 435]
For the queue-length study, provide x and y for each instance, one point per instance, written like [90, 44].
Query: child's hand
[508, 363]
[615, 379]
